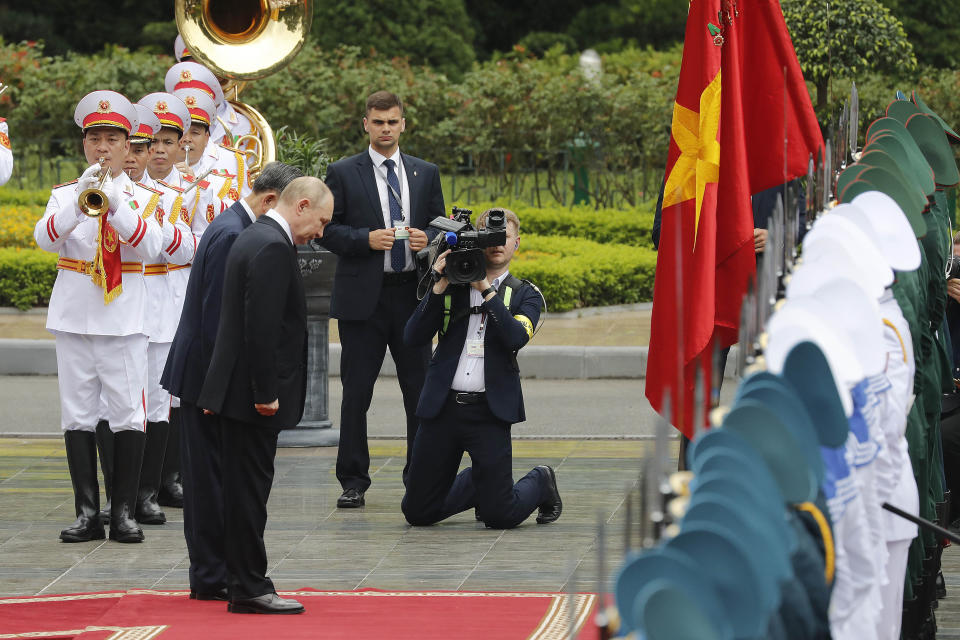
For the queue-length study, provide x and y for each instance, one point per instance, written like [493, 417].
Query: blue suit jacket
[192, 346]
[504, 336]
[356, 212]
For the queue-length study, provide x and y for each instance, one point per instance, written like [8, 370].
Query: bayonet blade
[854, 120]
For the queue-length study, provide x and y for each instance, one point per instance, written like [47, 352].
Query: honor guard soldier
[163, 314]
[196, 162]
[180, 51]
[6, 153]
[225, 127]
[97, 311]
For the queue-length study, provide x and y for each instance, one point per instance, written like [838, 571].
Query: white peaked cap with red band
[169, 109]
[201, 106]
[149, 124]
[180, 50]
[191, 75]
[105, 109]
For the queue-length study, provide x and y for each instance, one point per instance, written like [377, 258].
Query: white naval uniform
[901, 488]
[178, 248]
[6, 153]
[229, 165]
[237, 125]
[100, 347]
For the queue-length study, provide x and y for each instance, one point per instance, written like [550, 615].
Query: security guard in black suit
[472, 396]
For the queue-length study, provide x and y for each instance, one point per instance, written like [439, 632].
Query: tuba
[240, 41]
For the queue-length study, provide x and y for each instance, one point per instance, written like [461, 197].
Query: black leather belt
[468, 397]
[393, 279]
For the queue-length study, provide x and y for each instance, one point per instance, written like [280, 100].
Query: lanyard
[391, 190]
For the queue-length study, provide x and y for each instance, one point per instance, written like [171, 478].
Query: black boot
[82, 462]
[148, 510]
[171, 491]
[127, 458]
[105, 448]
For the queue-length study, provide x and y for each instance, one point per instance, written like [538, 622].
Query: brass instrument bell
[94, 202]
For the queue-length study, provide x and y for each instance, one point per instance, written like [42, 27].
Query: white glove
[112, 191]
[89, 178]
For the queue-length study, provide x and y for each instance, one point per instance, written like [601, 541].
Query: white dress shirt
[380, 176]
[469, 374]
[246, 207]
[273, 215]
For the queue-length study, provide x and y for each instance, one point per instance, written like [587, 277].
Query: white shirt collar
[273, 215]
[496, 281]
[378, 158]
[246, 207]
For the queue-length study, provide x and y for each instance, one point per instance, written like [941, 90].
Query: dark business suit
[434, 489]
[260, 356]
[372, 310]
[183, 377]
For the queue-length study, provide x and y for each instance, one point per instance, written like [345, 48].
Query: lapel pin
[414, 173]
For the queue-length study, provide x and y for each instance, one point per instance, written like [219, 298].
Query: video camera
[466, 262]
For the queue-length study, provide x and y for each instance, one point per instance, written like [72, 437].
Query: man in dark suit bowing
[256, 382]
[472, 396]
[184, 373]
[383, 202]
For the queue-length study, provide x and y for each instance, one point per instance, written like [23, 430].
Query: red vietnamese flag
[738, 79]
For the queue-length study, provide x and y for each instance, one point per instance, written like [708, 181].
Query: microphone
[451, 238]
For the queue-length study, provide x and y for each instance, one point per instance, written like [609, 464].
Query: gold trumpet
[94, 202]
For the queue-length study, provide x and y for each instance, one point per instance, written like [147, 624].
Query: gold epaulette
[229, 148]
[150, 189]
[65, 184]
[170, 186]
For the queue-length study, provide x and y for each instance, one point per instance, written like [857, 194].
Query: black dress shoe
[219, 594]
[551, 507]
[351, 499]
[267, 603]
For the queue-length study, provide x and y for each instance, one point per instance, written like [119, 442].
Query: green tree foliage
[846, 38]
[932, 27]
[83, 26]
[429, 32]
[501, 24]
[613, 26]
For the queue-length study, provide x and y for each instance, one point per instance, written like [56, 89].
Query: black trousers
[248, 453]
[364, 345]
[202, 498]
[436, 491]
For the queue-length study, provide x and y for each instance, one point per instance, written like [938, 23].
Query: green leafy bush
[574, 273]
[24, 197]
[26, 277]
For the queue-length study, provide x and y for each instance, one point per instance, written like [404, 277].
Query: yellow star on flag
[699, 160]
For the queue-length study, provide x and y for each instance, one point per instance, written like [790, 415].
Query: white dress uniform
[101, 346]
[224, 167]
[6, 153]
[903, 492]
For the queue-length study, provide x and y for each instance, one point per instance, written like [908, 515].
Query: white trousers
[891, 611]
[158, 398]
[114, 367]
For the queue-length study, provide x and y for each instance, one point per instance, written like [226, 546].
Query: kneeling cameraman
[472, 396]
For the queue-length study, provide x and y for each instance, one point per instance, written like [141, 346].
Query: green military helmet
[876, 155]
[910, 199]
[936, 149]
[953, 135]
[894, 138]
[848, 175]
[855, 187]
[900, 110]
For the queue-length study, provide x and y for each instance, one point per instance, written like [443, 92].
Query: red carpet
[171, 615]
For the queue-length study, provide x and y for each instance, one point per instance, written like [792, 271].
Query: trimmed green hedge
[24, 197]
[571, 273]
[26, 277]
[574, 273]
[628, 227]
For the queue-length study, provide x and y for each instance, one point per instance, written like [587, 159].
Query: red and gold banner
[741, 105]
[107, 268]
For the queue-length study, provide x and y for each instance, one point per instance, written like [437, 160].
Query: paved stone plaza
[310, 543]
